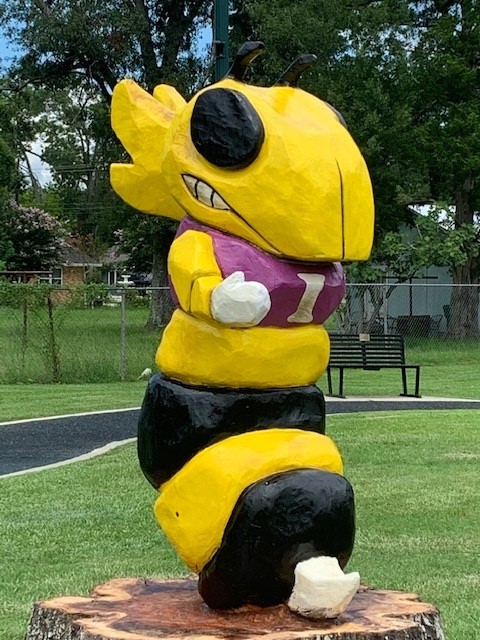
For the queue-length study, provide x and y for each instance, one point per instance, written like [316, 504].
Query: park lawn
[38, 400]
[416, 479]
[449, 380]
[87, 344]
[88, 349]
[19, 401]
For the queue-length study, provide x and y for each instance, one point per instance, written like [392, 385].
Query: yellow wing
[141, 122]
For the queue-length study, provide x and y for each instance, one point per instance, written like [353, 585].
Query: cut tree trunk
[133, 609]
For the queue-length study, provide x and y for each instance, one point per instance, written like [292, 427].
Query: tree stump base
[133, 609]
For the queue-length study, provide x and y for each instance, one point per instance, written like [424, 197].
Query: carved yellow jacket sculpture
[271, 193]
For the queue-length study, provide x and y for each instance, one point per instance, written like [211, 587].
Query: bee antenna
[245, 56]
[290, 77]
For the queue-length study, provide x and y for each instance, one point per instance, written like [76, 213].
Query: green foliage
[406, 76]
[87, 295]
[140, 239]
[7, 250]
[134, 300]
[8, 168]
[436, 239]
[15, 296]
[74, 69]
[442, 240]
[151, 40]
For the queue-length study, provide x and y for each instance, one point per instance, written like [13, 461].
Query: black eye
[225, 128]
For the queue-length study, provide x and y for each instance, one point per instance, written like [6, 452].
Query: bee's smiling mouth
[204, 193]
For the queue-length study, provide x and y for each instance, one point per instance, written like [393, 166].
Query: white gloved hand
[239, 303]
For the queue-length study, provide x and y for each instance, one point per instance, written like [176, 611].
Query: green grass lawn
[88, 343]
[450, 380]
[18, 401]
[416, 478]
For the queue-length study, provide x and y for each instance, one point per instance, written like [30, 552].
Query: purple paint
[280, 277]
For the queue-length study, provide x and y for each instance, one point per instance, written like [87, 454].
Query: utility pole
[220, 38]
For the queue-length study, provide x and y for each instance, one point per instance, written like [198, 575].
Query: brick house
[73, 268]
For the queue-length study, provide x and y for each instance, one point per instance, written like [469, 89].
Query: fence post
[385, 307]
[52, 347]
[123, 336]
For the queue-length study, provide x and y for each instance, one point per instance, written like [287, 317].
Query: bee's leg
[277, 523]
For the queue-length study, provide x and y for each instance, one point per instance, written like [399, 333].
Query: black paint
[177, 421]
[225, 128]
[341, 119]
[245, 56]
[278, 522]
[291, 76]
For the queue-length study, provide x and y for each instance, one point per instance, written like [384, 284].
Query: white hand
[239, 303]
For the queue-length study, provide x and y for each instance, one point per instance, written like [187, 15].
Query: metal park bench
[370, 353]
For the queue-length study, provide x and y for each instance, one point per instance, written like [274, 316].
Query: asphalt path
[35, 444]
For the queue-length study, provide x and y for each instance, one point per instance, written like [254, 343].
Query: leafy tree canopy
[105, 40]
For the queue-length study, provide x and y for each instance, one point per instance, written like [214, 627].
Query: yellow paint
[192, 257]
[195, 505]
[143, 126]
[306, 196]
[208, 353]
[201, 296]
[169, 97]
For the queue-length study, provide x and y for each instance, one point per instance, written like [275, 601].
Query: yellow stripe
[195, 505]
[211, 354]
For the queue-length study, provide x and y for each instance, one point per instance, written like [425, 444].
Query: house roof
[72, 257]
[113, 256]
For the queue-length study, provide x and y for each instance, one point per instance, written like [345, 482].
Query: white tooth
[218, 202]
[190, 182]
[204, 193]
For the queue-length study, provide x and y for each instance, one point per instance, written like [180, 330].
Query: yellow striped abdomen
[207, 353]
[195, 505]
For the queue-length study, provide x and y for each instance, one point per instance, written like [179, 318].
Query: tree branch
[147, 48]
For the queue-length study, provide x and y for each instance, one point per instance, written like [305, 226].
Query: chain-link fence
[92, 333]
[82, 334]
[416, 311]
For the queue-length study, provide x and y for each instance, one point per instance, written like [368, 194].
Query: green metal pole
[220, 38]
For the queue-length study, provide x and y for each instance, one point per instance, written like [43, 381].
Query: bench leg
[329, 381]
[340, 383]
[417, 383]
[404, 382]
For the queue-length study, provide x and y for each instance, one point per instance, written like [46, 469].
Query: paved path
[34, 444]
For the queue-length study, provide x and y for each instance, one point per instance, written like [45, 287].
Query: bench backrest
[377, 351]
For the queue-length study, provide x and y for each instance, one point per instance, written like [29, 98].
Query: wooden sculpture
[271, 193]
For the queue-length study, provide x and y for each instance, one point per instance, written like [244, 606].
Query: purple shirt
[294, 301]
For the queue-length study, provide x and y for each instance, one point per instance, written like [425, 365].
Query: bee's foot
[321, 589]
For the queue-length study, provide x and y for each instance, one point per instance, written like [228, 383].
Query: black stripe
[342, 209]
[176, 421]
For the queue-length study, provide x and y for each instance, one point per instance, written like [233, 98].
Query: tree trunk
[464, 300]
[161, 304]
[169, 610]
[464, 303]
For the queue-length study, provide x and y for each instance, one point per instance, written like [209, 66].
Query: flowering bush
[35, 237]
